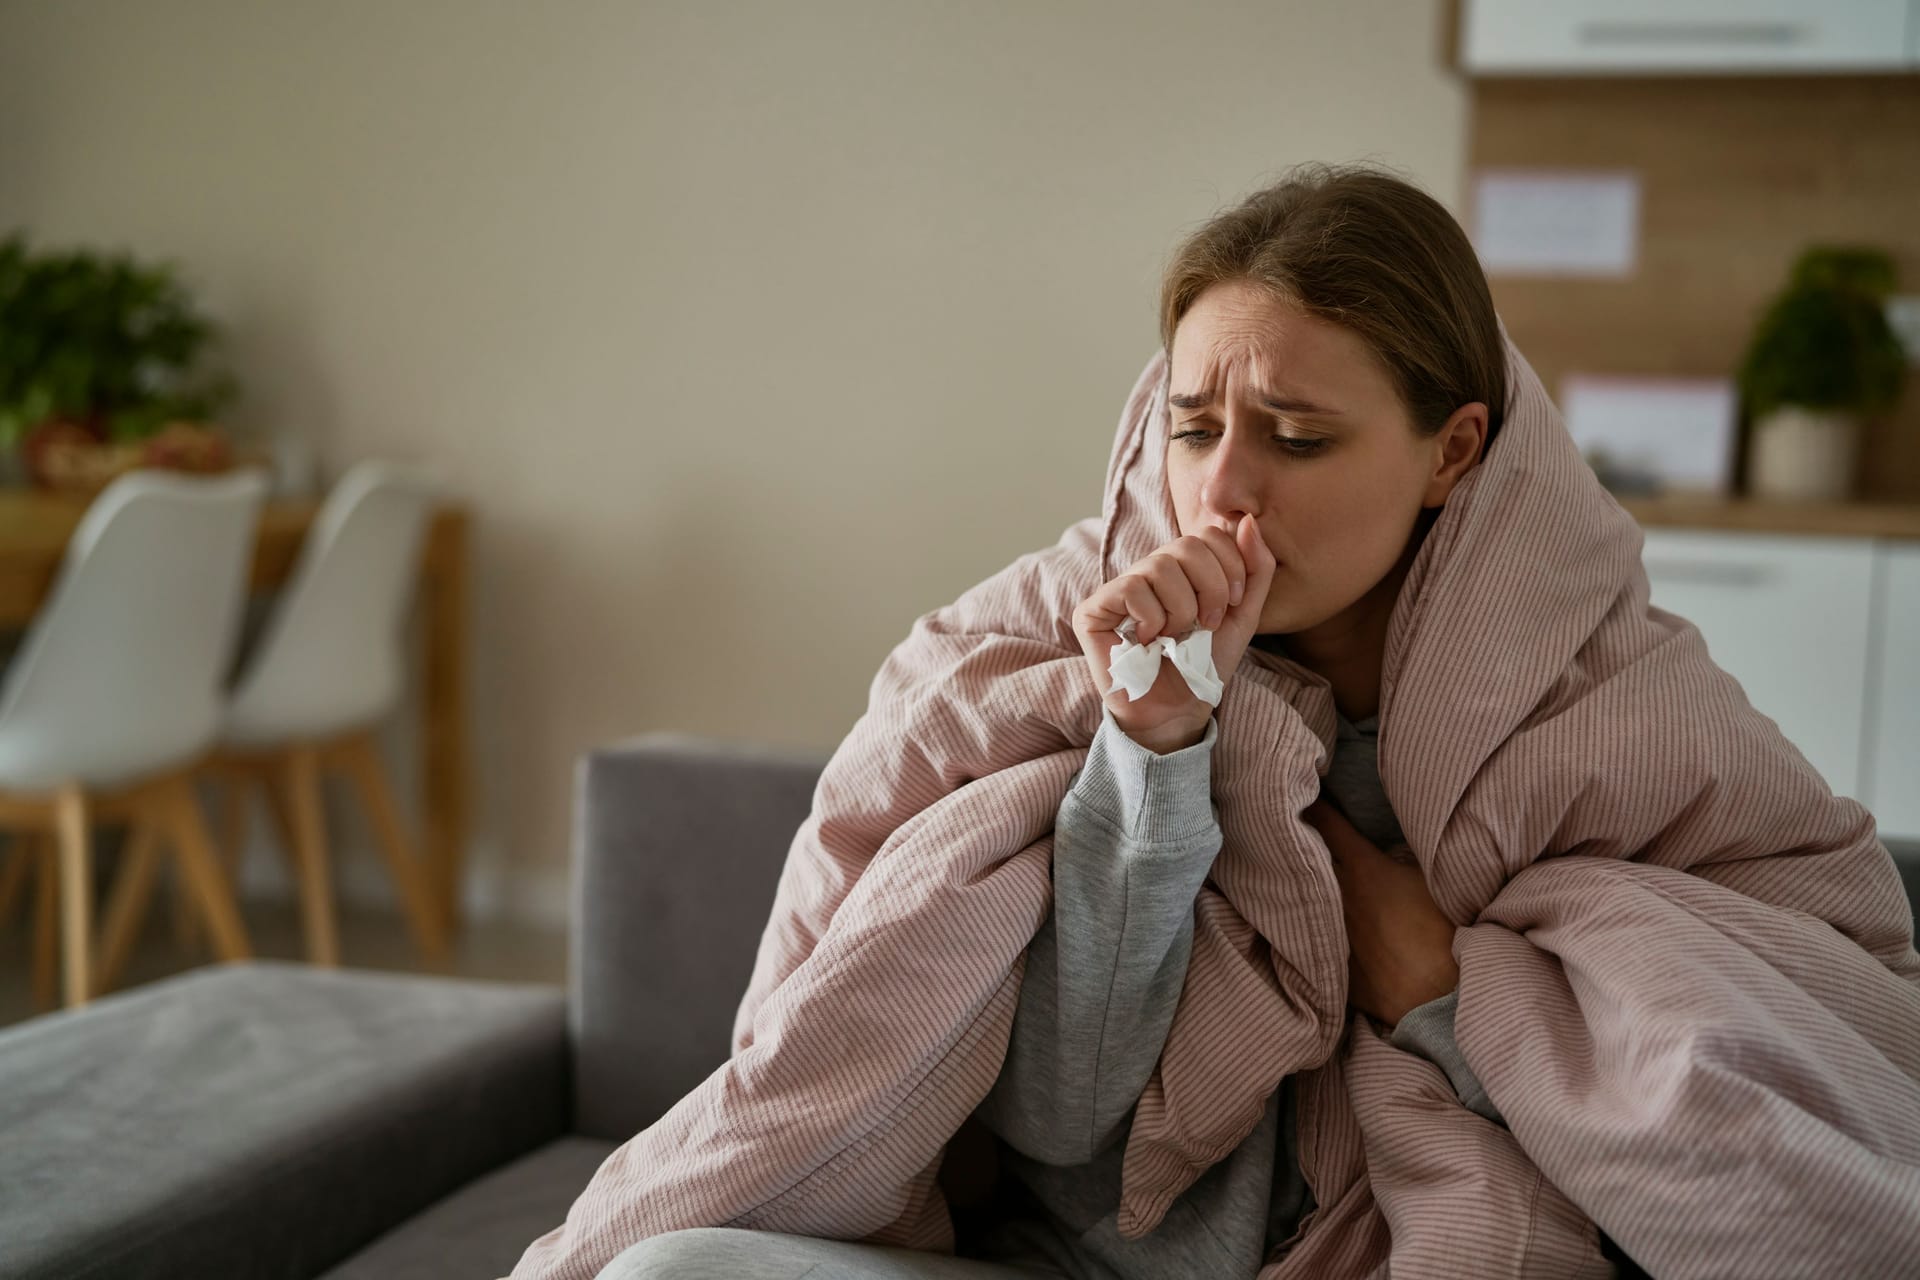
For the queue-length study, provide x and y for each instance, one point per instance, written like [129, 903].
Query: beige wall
[781, 322]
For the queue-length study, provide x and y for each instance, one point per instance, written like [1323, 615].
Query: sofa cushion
[482, 1229]
[261, 1119]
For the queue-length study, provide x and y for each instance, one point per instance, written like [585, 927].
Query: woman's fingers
[1351, 850]
[1258, 558]
[1247, 569]
[1191, 582]
[1142, 603]
[1199, 580]
[1212, 577]
[1187, 586]
[1329, 821]
[1217, 562]
[1178, 604]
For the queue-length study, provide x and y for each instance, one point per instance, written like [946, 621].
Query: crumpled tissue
[1136, 666]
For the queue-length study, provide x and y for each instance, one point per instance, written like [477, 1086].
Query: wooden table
[35, 527]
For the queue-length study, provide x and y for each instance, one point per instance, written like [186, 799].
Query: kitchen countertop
[1752, 515]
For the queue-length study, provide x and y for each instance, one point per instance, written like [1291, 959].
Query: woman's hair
[1374, 254]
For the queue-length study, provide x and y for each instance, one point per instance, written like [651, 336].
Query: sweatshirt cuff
[1428, 1032]
[1151, 798]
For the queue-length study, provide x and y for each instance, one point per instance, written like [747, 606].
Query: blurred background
[737, 336]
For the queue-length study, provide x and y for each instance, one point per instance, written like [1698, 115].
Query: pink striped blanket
[1687, 975]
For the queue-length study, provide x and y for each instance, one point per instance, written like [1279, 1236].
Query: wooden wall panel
[1738, 175]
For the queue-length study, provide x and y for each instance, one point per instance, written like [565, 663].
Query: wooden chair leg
[13, 879]
[299, 782]
[194, 854]
[76, 894]
[274, 791]
[275, 794]
[233, 826]
[360, 757]
[128, 901]
[46, 923]
[233, 843]
[186, 916]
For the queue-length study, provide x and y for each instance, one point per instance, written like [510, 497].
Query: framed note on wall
[1654, 435]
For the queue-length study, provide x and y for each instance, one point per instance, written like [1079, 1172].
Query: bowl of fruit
[66, 457]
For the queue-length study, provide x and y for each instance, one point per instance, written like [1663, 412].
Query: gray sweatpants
[727, 1253]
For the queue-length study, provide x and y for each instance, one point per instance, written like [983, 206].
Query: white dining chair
[328, 669]
[117, 692]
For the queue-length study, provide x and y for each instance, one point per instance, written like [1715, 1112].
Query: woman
[1304, 479]
[1128, 932]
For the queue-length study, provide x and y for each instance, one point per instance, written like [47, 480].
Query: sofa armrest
[679, 842]
[1906, 860]
[262, 1119]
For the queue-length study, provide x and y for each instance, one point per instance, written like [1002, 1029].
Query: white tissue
[1136, 666]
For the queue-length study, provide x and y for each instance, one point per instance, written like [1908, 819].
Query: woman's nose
[1231, 487]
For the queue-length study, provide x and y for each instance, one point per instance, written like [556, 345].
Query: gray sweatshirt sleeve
[1428, 1031]
[1135, 838]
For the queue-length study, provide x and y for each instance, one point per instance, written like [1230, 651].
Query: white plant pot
[1803, 455]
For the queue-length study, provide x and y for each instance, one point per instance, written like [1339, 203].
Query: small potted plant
[101, 369]
[1822, 360]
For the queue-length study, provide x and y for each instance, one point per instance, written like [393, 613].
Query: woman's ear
[1458, 445]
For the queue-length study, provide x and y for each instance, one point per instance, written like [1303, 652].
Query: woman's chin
[1292, 622]
[1283, 621]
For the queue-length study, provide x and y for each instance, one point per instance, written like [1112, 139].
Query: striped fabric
[1687, 974]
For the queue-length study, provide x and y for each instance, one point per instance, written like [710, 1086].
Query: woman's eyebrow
[1275, 401]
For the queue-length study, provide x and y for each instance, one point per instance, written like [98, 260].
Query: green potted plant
[101, 368]
[1822, 360]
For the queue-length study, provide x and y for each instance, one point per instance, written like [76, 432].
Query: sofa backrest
[1907, 858]
[679, 843]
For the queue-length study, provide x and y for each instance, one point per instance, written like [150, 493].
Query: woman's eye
[1298, 446]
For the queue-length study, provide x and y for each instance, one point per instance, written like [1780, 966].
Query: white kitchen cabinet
[1893, 706]
[1790, 618]
[1669, 37]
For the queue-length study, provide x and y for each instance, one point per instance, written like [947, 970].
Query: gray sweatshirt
[1135, 839]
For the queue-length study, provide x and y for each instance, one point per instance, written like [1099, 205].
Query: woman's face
[1294, 419]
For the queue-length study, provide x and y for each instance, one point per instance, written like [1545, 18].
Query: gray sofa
[267, 1120]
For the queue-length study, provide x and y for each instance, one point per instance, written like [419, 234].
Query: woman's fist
[1213, 579]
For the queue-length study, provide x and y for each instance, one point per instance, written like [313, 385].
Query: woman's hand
[1210, 579]
[1401, 943]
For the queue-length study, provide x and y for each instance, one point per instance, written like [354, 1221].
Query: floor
[368, 940]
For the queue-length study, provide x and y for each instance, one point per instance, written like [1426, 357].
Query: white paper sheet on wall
[1674, 432]
[1535, 222]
